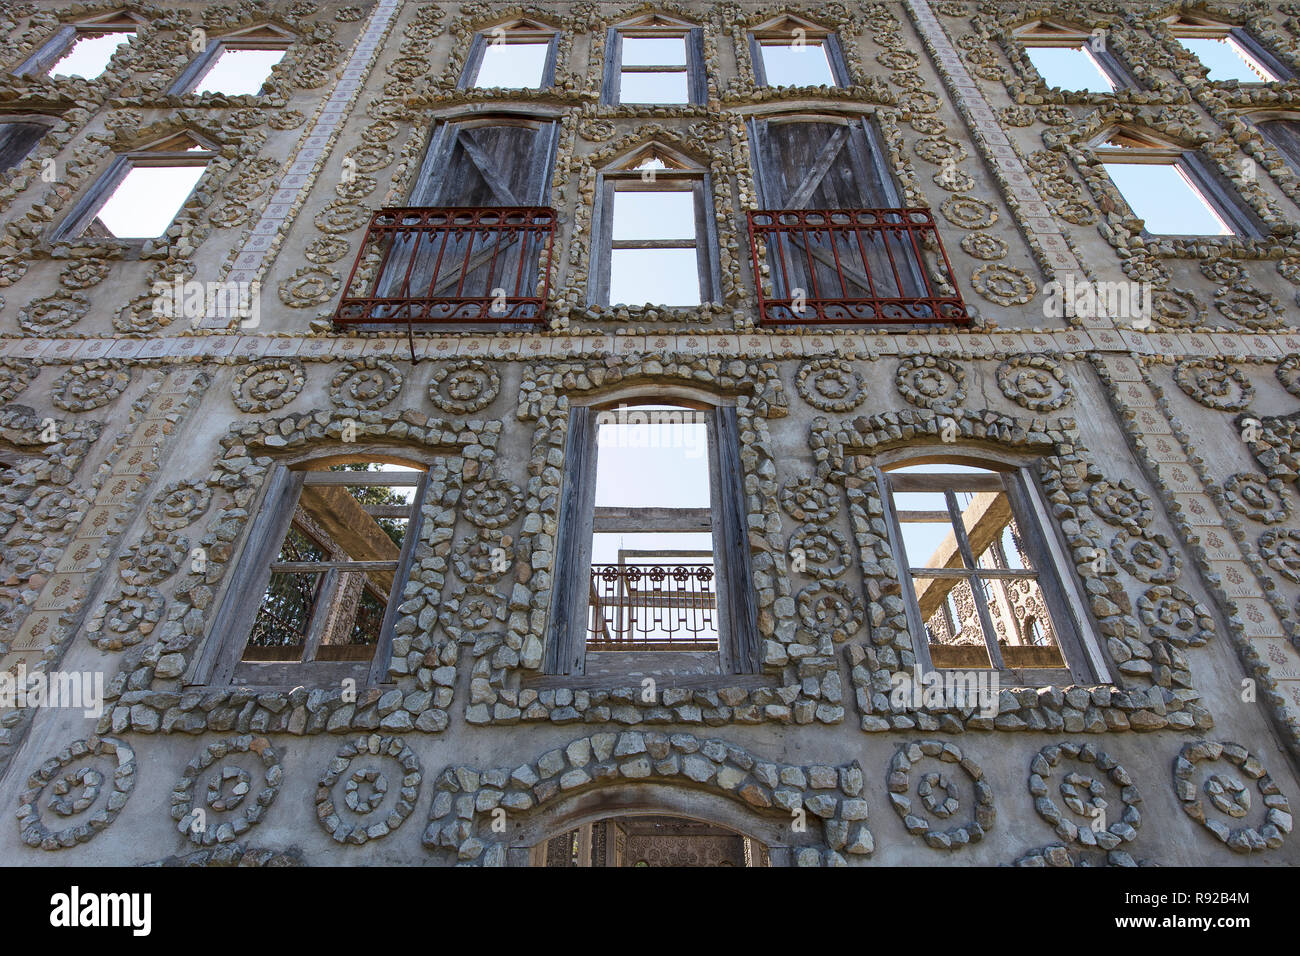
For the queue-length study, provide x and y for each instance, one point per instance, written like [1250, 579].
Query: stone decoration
[1230, 796]
[178, 504]
[1281, 552]
[831, 385]
[87, 784]
[939, 794]
[127, 618]
[806, 499]
[232, 803]
[1258, 498]
[1288, 373]
[1215, 384]
[1121, 504]
[1084, 794]
[483, 558]
[492, 503]
[930, 382]
[1147, 555]
[464, 387]
[154, 558]
[361, 765]
[15, 375]
[267, 385]
[365, 384]
[1035, 382]
[823, 552]
[53, 313]
[464, 798]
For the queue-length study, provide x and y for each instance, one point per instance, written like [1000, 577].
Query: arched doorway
[644, 840]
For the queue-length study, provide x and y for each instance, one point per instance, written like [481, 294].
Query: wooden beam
[633, 520]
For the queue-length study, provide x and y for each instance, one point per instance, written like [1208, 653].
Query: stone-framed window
[652, 562]
[1174, 191]
[654, 59]
[329, 552]
[655, 234]
[19, 135]
[236, 64]
[84, 48]
[791, 51]
[1071, 58]
[140, 194]
[1229, 52]
[986, 581]
[518, 55]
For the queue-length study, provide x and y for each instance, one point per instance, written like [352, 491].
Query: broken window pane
[804, 64]
[239, 72]
[89, 54]
[1164, 197]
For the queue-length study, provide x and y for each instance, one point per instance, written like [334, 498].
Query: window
[142, 191]
[515, 56]
[655, 224]
[1227, 52]
[1071, 58]
[655, 59]
[1173, 191]
[794, 52]
[987, 585]
[82, 49]
[652, 550]
[329, 554]
[19, 135]
[237, 64]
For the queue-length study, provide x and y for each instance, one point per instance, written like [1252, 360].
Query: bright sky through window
[654, 215]
[654, 51]
[1226, 59]
[790, 65]
[89, 55]
[1070, 68]
[512, 66]
[239, 72]
[147, 200]
[655, 275]
[653, 87]
[1168, 202]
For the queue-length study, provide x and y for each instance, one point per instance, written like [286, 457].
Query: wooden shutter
[830, 165]
[17, 140]
[731, 549]
[1285, 135]
[566, 646]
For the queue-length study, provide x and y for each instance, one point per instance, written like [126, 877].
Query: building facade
[611, 434]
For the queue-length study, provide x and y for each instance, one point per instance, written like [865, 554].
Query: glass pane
[1163, 196]
[952, 623]
[147, 200]
[654, 51]
[1227, 59]
[89, 55]
[1023, 625]
[652, 457]
[803, 65]
[653, 88]
[512, 66]
[1070, 69]
[654, 277]
[239, 72]
[654, 215]
[928, 539]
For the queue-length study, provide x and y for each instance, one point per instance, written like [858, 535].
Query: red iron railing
[652, 607]
[460, 264]
[852, 267]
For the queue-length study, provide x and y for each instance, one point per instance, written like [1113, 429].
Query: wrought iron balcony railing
[652, 607]
[853, 267]
[458, 264]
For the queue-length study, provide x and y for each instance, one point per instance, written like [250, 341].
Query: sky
[89, 55]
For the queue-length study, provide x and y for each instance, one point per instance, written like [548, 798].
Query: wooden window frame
[1109, 64]
[1201, 175]
[54, 48]
[697, 87]
[828, 39]
[1244, 38]
[431, 182]
[699, 183]
[478, 47]
[739, 644]
[87, 208]
[198, 68]
[1057, 582]
[218, 664]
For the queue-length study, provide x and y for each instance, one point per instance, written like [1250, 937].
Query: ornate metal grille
[652, 607]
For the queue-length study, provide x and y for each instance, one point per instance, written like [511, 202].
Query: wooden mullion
[652, 244]
[302, 567]
[404, 479]
[383, 647]
[976, 582]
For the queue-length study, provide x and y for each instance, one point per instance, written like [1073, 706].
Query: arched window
[652, 552]
[517, 55]
[986, 580]
[328, 553]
